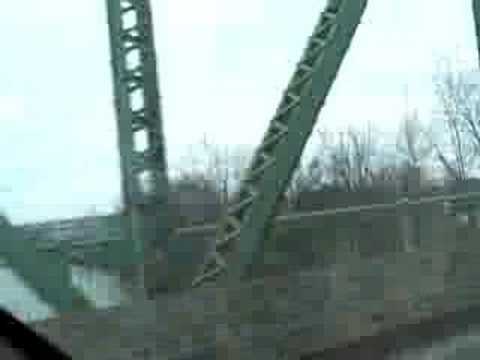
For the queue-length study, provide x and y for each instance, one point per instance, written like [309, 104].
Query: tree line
[444, 147]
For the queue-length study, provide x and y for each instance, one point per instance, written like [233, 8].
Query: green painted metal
[137, 106]
[476, 18]
[278, 155]
[112, 254]
[137, 103]
[111, 247]
[47, 273]
[136, 94]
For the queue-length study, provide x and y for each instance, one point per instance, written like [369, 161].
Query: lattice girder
[275, 160]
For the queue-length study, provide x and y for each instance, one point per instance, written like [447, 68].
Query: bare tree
[362, 152]
[459, 113]
[340, 164]
[414, 141]
[215, 169]
[350, 160]
[308, 177]
[384, 176]
[311, 173]
[225, 166]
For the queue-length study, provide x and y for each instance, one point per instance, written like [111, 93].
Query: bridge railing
[103, 240]
[302, 240]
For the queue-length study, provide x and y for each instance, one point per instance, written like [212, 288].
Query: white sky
[223, 65]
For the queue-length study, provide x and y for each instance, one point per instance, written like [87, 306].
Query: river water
[102, 289]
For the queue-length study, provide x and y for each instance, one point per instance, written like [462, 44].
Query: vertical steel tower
[140, 134]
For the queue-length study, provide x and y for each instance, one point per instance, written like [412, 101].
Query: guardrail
[110, 248]
[349, 210]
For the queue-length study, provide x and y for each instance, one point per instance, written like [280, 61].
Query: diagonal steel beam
[274, 161]
[47, 273]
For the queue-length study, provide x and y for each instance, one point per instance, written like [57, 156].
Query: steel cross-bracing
[138, 114]
[248, 219]
[47, 273]
[137, 103]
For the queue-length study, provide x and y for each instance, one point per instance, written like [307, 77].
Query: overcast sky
[223, 65]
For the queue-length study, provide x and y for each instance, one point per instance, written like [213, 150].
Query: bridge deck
[303, 313]
[435, 338]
